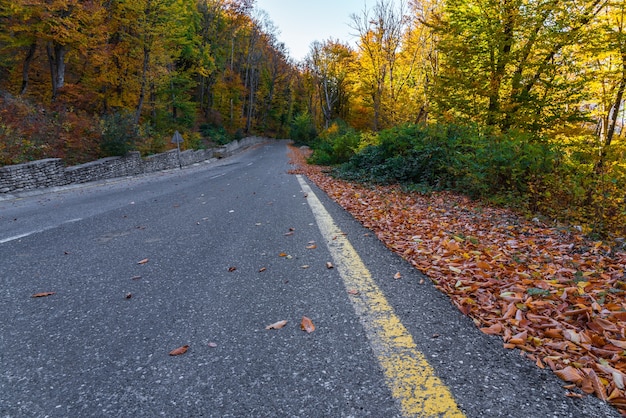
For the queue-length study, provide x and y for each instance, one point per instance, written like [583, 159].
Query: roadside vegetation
[558, 182]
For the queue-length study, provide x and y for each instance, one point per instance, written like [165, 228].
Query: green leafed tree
[512, 64]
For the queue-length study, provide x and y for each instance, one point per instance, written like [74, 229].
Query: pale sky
[303, 21]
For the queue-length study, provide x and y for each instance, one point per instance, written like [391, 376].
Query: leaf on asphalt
[305, 266]
[353, 292]
[329, 265]
[307, 325]
[42, 294]
[135, 278]
[494, 329]
[144, 261]
[128, 295]
[277, 325]
[212, 345]
[231, 269]
[311, 247]
[282, 255]
[180, 350]
[397, 276]
[570, 374]
[262, 269]
[288, 233]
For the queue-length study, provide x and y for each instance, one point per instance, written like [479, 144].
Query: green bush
[118, 134]
[451, 157]
[302, 130]
[336, 145]
[216, 134]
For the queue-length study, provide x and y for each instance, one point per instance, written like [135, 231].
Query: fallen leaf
[42, 294]
[311, 247]
[288, 233]
[180, 350]
[353, 291]
[129, 295]
[144, 261]
[262, 269]
[494, 329]
[282, 255]
[135, 278]
[212, 345]
[306, 266]
[329, 265]
[397, 275]
[570, 374]
[231, 269]
[277, 325]
[307, 325]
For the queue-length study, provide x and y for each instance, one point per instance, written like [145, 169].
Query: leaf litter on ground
[548, 291]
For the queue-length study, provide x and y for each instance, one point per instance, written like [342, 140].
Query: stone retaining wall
[52, 172]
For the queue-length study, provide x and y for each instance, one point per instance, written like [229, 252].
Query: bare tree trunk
[56, 59]
[26, 66]
[144, 79]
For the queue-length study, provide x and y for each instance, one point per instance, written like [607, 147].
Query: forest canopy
[535, 81]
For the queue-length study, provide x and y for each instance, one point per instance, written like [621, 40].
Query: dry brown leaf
[329, 265]
[282, 255]
[231, 269]
[397, 275]
[311, 247]
[43, 294]
[128, 295]
[307, 325]
[494, 329]
[262, 269]
[180, 350]
[570, 374]
[277, 325]
[353, 292]
[144, 261]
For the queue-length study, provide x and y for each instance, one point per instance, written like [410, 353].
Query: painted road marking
[15, 237]
[412, 380]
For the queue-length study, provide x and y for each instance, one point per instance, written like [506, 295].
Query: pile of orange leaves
[547, 291]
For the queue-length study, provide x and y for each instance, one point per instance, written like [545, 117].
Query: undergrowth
[557, 180]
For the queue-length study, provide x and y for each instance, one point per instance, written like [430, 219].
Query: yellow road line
[412, 380]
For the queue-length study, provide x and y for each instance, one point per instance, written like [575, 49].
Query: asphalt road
[231, 247]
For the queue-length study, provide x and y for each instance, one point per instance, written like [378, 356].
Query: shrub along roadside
[533, 175]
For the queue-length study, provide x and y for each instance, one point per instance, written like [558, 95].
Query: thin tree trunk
[56, 59]
[26, 66]
[144, 76]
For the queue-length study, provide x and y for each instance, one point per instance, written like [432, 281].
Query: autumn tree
[381, 33]
[330, 63]
[512, 64]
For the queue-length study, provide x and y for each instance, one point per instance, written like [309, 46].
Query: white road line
[37, 231]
